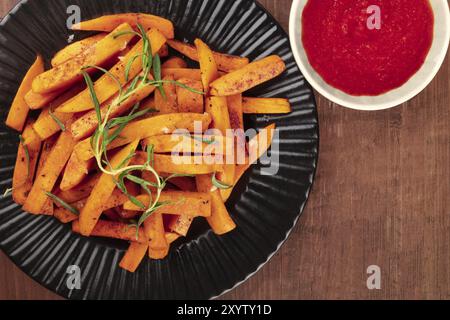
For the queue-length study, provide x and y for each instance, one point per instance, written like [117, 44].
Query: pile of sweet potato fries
[97, 133]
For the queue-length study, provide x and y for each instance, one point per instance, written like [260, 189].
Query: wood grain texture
[382, 197]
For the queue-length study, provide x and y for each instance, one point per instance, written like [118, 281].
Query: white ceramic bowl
[390, 99]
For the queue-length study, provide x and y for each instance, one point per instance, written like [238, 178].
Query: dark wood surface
[381, 197]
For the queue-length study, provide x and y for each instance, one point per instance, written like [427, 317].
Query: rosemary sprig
[64, 204]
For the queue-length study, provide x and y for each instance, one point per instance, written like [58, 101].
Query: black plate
[265, 208]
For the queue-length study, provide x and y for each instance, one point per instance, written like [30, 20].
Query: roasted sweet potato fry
[106, 87]
[82, 191]
[47, 123]
[220, 220]
[18, 113]
[102, 192]
[127, 214]
[217, 107]
[47, 148]
[208, 65]
[38, 101]
[158, 254]
[139, 130]
[118, 198]
[68, 73]
[51, 170]
[75, 49]
[191, 204]
[189, 101]
[258, 146]
[266, 106]
[109, 23]
[134, 256]
[235, 110]
[154, 230]
[26, 163]
[64, 216]
[113, 230]
[76, 171]
[180, 73]
[174, 62]
[86, 125]
[224, 62]
[167, 104]
[148, 104]
[248, 77]
[181, 224]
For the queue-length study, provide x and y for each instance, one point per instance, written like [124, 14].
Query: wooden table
[381, 197]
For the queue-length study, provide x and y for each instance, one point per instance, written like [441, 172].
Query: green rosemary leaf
[149, 192]
[157, 74]
[95, 139]
[220, 185]
[109, 74]
[122, 122]
[157, 67]
[62, 203]
[121, 186]
[27, 154]
[57, 120]
[147, 53]
[134, 224]
[137, 180]
[133, 85]
[182, 85]
[150, 155]
[125, 120]
[94, 98]
[116, 133]
[129, 64]
[8, 192]
[136, 201]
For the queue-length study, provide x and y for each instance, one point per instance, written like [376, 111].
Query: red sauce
[359, 60]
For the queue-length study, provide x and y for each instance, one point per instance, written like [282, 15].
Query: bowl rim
[297, 47]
